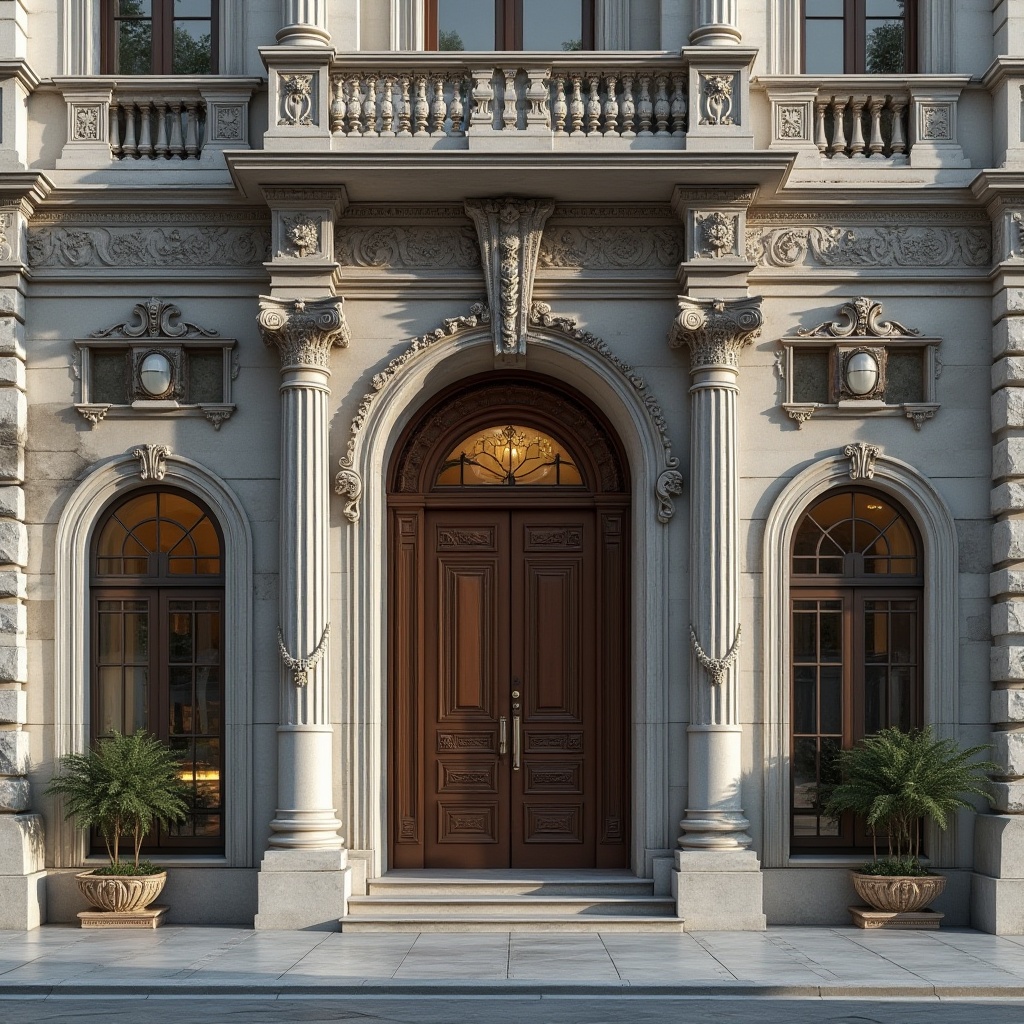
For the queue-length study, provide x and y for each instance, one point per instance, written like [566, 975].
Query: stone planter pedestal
[897, 901]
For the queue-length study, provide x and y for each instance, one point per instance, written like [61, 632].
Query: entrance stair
[511, 901]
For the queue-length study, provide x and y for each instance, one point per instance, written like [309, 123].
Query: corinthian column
[305, 825]
[304, 23]
[715, 23]
[727, 889]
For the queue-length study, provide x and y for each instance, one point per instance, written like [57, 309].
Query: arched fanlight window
[855, 658]
[509, 455]
[157, 647]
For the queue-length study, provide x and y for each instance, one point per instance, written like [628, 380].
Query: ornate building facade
[510, 441]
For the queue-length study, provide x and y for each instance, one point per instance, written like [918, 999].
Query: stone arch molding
[938, 533]
[349, 480]
[107, 481]
[463, 347]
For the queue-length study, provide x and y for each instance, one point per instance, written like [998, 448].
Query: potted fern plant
[120, 787]
[894, 779]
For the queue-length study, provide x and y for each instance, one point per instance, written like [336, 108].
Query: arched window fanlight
[509, 455]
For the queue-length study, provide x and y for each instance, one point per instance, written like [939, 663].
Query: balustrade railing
[156, 128]
[479, 94]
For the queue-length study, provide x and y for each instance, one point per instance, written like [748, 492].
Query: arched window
[856, 646]
[157, 590]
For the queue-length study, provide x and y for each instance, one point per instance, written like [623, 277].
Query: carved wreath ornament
[716, 667]
[301, 667]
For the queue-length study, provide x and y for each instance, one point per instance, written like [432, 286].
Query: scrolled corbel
[669, 485]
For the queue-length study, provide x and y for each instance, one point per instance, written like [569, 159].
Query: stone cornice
[303, 331]
[715, 330]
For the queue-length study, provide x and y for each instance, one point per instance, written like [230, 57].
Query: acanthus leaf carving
[611, 247]
[859, 319]
[155, 319]
[718, 232]
[862, 459]
[716, 667]
[152, 460]
[302, 235]
[670, 485]
[716, 329]
[303, 330]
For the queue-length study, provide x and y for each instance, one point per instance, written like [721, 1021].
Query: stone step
[514, 923]
[508, 884]
[509, 906]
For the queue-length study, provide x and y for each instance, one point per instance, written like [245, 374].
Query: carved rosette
[715, 330]
[510, 232]
[303, 331]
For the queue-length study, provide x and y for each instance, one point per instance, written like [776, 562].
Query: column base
[719, 890]
[997, 885]
[22, 874]
[303, 890]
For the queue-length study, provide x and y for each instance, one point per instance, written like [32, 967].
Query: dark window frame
[157, 588]
[853, 589]
[854, 20]
[508, 25]
[163, 36]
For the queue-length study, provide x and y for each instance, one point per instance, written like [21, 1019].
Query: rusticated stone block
[12, 372]
[1007, 663]
[1008, 497]
[13, 413]
[13, 583]
[13, 704]
[1008, 337]
[1008, 408]
[13, 543]
[13, 665]
[1007, 541]
[1008, 458]
[21, 841]
[1008, 372]
[13, 752]
[1008, 797]
[1006, 581]
[1007, 617]
[1007, 300]
[15, 797]
[12, 502]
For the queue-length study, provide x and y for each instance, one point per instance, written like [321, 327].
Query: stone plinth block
[921, 920]
[1007, 497]
[1008, 337]
[13, 752]
[999, 845]
[21, 844]
[13, 707]
[1008, 408]
[1007, 617]
[997, 905]
[13, 665]
[150, 918]
[22, 901]
[1008, 541]
[1008, 797]
[1008, 372]
[719, 890]
[15, 795]
[1006, 663]
[1006, 581]
[1008, 750]
[303, 890]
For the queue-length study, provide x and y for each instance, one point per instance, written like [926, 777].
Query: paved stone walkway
[61, 960]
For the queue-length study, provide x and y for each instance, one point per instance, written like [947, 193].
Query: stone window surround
[110, 480]
[937, 529]
[364, 563]
[936, 31]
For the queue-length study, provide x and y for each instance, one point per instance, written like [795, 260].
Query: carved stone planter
[121, 894]
[898, 894]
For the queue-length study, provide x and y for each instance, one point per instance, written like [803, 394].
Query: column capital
[715, 330]
[303, 330]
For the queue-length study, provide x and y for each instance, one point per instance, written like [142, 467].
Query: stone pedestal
[721, 891]
[22, 874]
[303, 890]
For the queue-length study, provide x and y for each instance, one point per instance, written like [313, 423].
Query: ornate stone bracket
[510, 232]
[303, 330]
[348, 483]
[152, 460]
[155, 319]
[716, 329]
[862, 459]
[716, 667]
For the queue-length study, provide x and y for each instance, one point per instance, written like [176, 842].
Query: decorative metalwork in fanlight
[509, 455]
[854, 533]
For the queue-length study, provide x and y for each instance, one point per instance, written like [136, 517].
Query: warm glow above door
[509, 455]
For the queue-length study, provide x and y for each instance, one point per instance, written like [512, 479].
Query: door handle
[502, 736]
[516, 742]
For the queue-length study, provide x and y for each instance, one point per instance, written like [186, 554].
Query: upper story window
[855, 37]
[159, 37]
[510, 24]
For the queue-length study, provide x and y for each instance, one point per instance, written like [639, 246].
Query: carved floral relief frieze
[407, 247]
[619, 247]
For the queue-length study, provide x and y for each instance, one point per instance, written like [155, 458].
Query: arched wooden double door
[509, 622]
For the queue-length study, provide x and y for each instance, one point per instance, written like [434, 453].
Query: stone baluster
[715, 23]
[594, 105]
[192, 129]
[857, 134]
[678, 108]
[644, 108]
[820, 138]
[559, 108]
[628, 107]
[875, 143]
[338, 105]
[538, 113]
[509, 113]
[115, 130]
[610, 112]
[838, 127]
[714, 831]
[160, 147]
[456, 109]
[662, 107]
[899, 143]
[420, 107]
[130, 149]
[405, 109]
[481, 115]
[576, 105]
[176, 147]
[145, 129]
[353, 106]
[304, 23]
[370, 108]
[438, 106]
[387, 107]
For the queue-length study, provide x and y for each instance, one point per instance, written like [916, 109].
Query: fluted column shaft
[304, 333]
[304, 23]
[714, 331]
[715, 23]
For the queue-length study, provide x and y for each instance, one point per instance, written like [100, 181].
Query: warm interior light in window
[875, 506]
